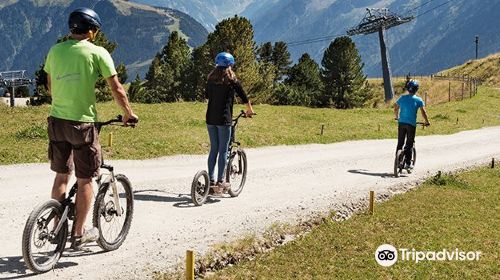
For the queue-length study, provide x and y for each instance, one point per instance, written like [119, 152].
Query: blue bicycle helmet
[224, 60]
[412, 86]
[82, 20]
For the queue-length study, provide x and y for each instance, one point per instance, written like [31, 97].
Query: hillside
[207, 12]
[441, 35]
[28, 28]
[435, 40]
[487, 69]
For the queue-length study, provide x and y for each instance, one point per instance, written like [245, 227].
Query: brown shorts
[74, 145]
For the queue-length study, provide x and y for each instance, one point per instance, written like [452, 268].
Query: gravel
[285, 184]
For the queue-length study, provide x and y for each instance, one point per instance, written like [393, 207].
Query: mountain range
[441, 36]
[28, 28]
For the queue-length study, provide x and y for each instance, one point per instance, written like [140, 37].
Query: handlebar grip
[134, 120]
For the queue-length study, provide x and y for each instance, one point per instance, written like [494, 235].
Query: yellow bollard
[189, 265]
[372, 202]
[110, 139]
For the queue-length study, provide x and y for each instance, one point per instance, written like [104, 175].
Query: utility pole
[379, 20]
[477, 46]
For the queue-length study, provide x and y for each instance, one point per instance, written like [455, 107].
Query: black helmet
[82, 20]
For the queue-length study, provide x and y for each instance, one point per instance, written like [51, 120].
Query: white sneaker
[88, 236]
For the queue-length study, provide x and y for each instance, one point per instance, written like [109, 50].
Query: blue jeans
[219, 142]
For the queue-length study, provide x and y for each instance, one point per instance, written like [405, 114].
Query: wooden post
[463, 86]
[449, 91]
[426, 99]
[322, 129]
[492, 162]
[189, 265]
[372, 202]
[470, 89]
[110, 139]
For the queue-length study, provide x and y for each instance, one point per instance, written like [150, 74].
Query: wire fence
[437, 89]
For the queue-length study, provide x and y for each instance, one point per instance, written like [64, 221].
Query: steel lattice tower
[378, 20]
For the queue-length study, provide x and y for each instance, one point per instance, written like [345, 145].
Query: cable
[330, 37]
[313, 40]
[417, 7]
[439, 6]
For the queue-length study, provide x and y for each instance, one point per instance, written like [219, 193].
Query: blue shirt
[409, 105]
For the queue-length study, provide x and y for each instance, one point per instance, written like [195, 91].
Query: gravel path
[285, 184]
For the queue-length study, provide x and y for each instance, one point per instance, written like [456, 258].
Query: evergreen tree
[136, 89]
[122, 73]
[305, 77]
[166, 75]
[281, 59]
[266, 53]
[342, 72]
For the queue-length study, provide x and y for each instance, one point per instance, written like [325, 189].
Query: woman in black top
[221, 87]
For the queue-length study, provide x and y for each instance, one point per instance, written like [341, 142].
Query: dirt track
[285, 184]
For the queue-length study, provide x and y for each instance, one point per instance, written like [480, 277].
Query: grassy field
[167, 129]
[433, 91]
[486, 68]
[456, 211]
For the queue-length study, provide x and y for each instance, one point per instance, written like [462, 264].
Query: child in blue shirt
[405, 111]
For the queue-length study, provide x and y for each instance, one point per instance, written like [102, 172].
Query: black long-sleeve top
[220, 102]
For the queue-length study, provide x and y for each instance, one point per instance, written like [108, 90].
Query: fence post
[449, 91]
[470, 89]
[426, 99]
[372, 202]
[322, 128]
[492, 162]
[463, 85]
[189, 265]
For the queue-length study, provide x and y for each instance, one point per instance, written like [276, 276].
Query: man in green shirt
[73, 68]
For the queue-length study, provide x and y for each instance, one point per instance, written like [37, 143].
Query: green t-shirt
[74, 67]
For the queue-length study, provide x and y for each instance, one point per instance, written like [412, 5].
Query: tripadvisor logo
[387, 255]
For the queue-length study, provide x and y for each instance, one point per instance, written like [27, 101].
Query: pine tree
[136, 89]
[122, 73]
[306, 78]
[195, 78]
[281, 59]
[342, 72]
[167, 72]
[266, 53]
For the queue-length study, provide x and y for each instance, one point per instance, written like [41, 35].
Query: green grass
[179, 128]
[455, 211]
[485, 68]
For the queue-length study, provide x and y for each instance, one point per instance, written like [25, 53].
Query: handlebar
[423, 124]
[244, 115]
[118, 119]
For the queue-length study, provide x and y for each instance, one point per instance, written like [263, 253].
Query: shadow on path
[368, 173]
[15, 265]
[180, 200]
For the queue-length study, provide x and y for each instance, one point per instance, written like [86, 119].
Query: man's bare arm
[120, 97]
